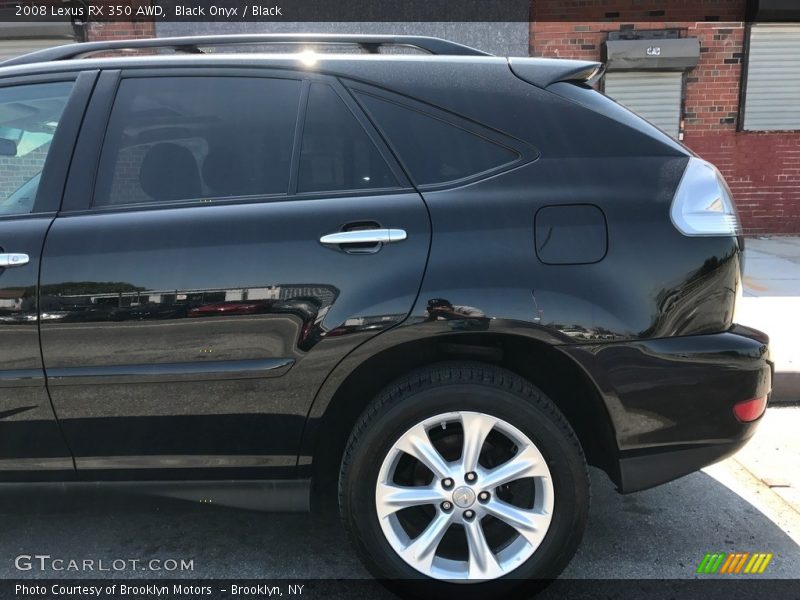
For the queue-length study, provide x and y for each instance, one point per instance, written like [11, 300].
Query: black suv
[435, 283]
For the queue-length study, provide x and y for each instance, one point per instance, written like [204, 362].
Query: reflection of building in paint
[13, 299]
[120, 301]
[11, 303]
[324, 294]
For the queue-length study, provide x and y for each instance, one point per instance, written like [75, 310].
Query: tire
[387, 447]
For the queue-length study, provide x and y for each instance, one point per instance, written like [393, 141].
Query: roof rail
[192, 44]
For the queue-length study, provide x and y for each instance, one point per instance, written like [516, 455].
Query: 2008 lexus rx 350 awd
[466, 277]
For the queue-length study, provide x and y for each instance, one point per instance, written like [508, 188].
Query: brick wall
[636, 10]
[16, 171]
[712, 87]
[762, 168]
[763, 172]
[121, 30]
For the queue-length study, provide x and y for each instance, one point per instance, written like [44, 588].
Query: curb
[761, 484]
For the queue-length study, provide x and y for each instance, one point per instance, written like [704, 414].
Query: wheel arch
[355, 382]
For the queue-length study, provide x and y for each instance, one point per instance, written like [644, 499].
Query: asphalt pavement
[659, 533]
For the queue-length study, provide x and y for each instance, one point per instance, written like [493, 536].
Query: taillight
[750, 410]
[702, 205]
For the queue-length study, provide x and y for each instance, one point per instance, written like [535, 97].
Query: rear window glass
[337, 154]
[434, 151]
[183, 138]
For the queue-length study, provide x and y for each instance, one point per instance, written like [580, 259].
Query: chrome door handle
[13, 260]
[365, 236]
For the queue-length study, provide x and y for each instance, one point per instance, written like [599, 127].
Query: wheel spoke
[390, 498]
[532, 525]
[417, 444]
[476, 427]
[455, 497]
[526, 463]
[482, 562]
[422, 548]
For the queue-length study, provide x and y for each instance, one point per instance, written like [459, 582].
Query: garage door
[772, 95]
[11, 48]
[653, 95]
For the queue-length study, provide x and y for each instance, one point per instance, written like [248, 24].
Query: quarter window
[29, 116]
[184, 138]
[336, 153]
[433, 150]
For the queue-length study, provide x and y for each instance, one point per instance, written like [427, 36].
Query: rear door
[39, 119]
[200, 310]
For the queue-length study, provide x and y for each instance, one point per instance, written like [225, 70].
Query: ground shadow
[661, 533]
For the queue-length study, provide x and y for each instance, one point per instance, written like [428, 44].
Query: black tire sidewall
[539, 420]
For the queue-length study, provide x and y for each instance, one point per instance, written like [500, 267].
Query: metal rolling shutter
[653, 95]
[772, 95]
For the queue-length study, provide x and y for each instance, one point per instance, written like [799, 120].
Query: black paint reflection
[464, 318]
[95, 302]
[702, 295]
[17, 305]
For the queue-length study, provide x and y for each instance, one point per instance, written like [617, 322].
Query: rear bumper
[671, 400]
[652, 468]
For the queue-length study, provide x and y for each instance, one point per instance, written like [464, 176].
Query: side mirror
[8, 147]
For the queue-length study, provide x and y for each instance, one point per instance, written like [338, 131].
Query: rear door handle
[13, 260]
[365, 236]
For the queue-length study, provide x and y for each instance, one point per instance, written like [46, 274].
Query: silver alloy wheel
[463, 493]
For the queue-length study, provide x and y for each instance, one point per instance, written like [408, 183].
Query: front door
[38, 124]
[202, 303]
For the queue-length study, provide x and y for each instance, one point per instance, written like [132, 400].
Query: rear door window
[336, 152]
[186, 138]
[29, 116]
[434, 150]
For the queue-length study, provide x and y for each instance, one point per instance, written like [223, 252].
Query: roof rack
[192, 45]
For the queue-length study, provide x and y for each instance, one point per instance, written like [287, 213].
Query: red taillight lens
[750, 410]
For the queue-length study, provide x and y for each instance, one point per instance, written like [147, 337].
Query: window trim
[81, 185]
[55, 170]
[525, 152]
[79, 189]
[297, 141]
[366, 126]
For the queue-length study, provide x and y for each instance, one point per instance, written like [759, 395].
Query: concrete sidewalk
[771, 303]
[773, 457]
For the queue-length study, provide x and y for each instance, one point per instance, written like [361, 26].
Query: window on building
[433, 150]
[337, 154]
[772, 91]
[184, 138]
